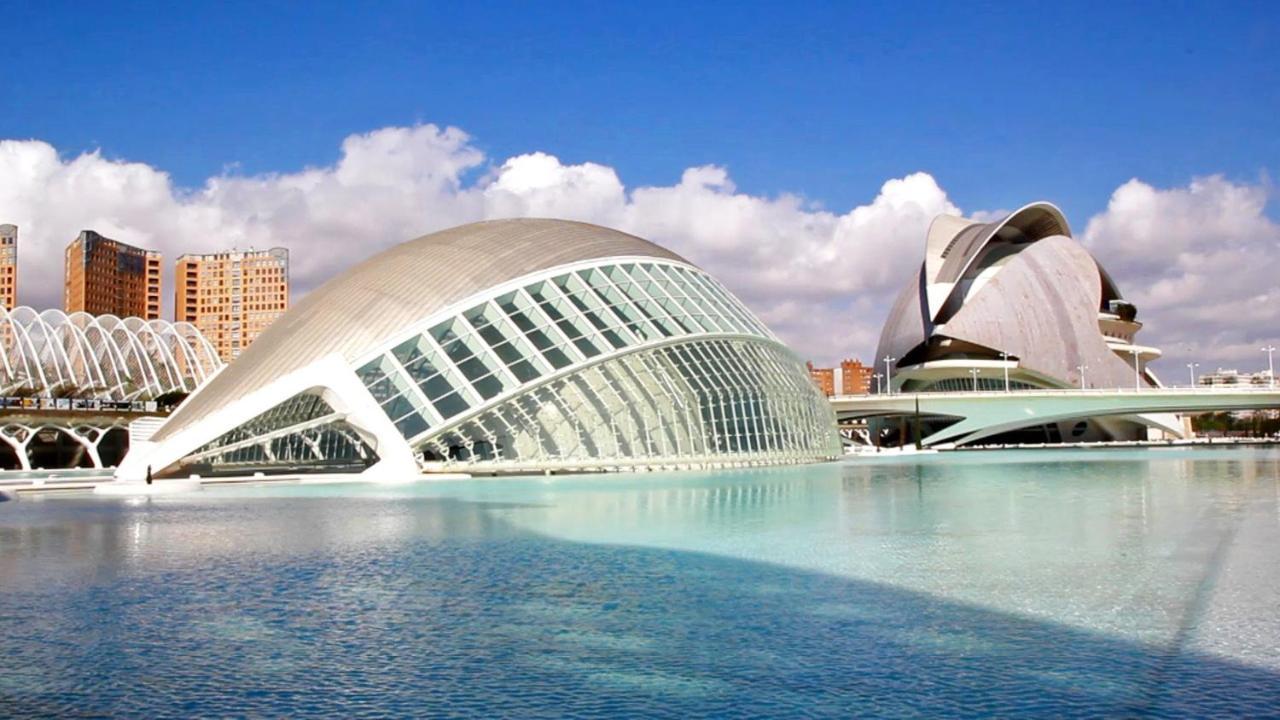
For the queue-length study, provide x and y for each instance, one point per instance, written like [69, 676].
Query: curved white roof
[376, 300]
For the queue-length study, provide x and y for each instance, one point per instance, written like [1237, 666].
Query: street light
[1082, 368]
[878, 376]
[1271, 367]
[1137, 370]
[1005, 357]
[888, 374]
[974, 372]
[1191, 367]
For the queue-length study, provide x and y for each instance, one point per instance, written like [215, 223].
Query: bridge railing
[80, 404]
[1205, 389]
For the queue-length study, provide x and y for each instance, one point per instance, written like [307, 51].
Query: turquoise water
[1026, 583]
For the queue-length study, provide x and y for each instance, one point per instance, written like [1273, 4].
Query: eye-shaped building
[504, 346]
[1017, 304]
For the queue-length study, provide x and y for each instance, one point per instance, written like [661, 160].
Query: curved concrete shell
[503, 346]
[1042, 309]
[1015, 303]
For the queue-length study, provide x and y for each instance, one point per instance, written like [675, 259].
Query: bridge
[983, 414]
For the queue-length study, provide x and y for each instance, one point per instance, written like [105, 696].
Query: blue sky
[771, 143]
[1000, 102]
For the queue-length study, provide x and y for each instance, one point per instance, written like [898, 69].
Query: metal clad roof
[1042, 309]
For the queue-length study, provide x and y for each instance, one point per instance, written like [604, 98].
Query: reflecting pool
[1073, 583]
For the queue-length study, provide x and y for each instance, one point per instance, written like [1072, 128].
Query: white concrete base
[418, 477]
[135, 489]
[868, 451]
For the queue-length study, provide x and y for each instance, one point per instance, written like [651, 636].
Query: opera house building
[1017, 304]
[504, 346]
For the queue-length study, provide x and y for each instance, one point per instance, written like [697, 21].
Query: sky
[797, 151]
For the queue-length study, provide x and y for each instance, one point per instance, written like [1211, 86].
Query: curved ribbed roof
[372, 302]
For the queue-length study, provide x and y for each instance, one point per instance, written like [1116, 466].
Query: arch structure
[523, 345]
[52, 354]
[31, 445]
[1020, 299]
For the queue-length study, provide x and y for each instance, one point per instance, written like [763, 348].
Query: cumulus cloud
[1200, 264]
[822, 279]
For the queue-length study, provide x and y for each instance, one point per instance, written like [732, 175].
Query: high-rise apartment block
[107, 276]
[8, 266]
[232, 296]
[851, 378]
[855, 378]
[824, 378]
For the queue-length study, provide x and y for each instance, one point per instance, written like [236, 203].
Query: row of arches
[55, 446]
[54, 354]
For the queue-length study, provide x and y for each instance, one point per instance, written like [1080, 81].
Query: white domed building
[500, 347]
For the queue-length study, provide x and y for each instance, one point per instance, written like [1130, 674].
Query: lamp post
[878, 376]
[974, 372]
[1137, 370]
[1005, 357]
[1271, 367]
[888, 374]
[1191, 368]
[1082, 368]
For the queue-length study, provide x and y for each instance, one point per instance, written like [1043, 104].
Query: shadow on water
[434, 606]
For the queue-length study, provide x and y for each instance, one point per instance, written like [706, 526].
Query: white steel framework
[53, 354]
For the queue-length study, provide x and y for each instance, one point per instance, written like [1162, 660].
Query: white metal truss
[53, 354]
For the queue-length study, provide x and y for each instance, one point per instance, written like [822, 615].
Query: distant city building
[108, 277]
[1235, 377]
[851, 378]
[824, 378]
[9, 266]
[855, 378]
[232, 296]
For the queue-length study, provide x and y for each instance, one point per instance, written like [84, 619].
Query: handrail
[1171, 389]
[28, 402]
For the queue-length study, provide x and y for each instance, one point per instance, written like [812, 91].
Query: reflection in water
[1110, 582]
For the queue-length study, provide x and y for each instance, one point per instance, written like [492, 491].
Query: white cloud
[1200, 263]
[822, 279]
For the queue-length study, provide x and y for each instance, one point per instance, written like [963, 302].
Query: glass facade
[496, 382]
[303, 433]
[526, 334]
[699, 401]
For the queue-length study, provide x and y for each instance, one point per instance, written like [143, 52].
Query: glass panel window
[488, 387]
[398, 406]
[374, 375]
[435, 386]
[450, 405]
[588, 304]
[525, 371]
[517, 309]
[411, 425]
